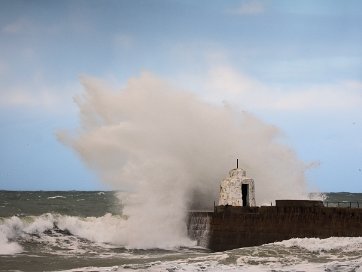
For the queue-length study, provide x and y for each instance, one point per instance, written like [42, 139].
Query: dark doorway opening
[245, 194]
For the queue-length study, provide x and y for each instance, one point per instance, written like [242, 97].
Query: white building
[237, 190]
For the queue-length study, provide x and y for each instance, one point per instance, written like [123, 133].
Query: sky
[294, 64]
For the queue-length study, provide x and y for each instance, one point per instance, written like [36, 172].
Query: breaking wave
[15, 230]
[102, 230]
[99, 236]
[314, 245]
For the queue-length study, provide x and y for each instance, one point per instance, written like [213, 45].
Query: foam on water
[69, 234]
[345, 244]
[215, 266]
[290, 255]
[54, 197]
[98, 237]
[96, 229]
[9, 229]
[99, 230]
[239, 260]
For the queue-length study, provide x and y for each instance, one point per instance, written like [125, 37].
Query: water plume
[171, 150]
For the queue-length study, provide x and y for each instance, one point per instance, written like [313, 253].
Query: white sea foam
[39, 224]
[96, 229]
[232, 261]
[102, 231]
[54, 197]
[92, 269]
[307, 254]
[99, 230]
[215, 266]
[267, 258]
[346, 244]
[9, 230]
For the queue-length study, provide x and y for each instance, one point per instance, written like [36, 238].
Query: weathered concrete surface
[299, 203]
[234, 227]
[231, 192]
[198, 226]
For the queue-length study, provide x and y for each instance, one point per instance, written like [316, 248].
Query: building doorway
[245, 194]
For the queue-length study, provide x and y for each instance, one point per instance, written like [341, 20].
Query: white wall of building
[231, 189]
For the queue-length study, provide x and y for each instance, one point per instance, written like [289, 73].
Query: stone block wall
[234, 227]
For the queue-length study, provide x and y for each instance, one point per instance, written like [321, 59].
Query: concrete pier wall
[233, 227]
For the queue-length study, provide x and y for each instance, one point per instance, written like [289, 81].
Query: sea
[67, 231]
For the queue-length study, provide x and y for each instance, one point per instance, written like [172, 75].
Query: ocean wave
[103, 236]
[14, 228]
[105, 231]
[95, 229]
[9, 230]
[54, 197]
[345, 244]
[214, 266]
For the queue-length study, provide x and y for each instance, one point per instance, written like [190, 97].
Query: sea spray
[167, 146]
[9, 229]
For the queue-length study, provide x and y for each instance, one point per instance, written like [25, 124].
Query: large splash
[171, 149]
